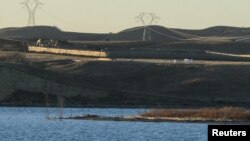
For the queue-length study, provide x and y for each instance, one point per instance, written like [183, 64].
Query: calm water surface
[29, 124]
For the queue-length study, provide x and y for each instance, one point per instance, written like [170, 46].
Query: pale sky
[102, 16]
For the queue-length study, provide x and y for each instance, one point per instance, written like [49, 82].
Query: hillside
[136, 33]
[132, 34]
[47, 32]
[108, 83]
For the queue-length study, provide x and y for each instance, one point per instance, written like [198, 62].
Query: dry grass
[228, 113]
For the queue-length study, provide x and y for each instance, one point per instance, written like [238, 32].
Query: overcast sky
[115, 15]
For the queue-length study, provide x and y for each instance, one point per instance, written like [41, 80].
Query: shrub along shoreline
[205, 114]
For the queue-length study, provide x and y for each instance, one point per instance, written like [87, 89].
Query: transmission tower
[31, 6]
[147, 19]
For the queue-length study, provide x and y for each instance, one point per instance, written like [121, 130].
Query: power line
[163, 34]
[186, 35]
[133, 29]
[61, 20]
[146, 19]
[196, 37]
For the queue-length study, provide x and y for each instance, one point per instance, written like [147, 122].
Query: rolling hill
[158, 33]
[30, 33]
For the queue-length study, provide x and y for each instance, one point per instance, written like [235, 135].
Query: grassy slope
[129, 83]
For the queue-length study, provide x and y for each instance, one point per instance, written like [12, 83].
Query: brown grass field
[226, 113]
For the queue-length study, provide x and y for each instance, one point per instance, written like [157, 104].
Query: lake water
[29, 124]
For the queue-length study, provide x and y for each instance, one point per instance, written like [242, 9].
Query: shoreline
[224, 115]
[115, 107]
[143, 118]
[151, 119]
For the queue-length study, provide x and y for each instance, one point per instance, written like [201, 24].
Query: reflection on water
[29, 124]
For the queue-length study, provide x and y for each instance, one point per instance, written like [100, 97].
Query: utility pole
[31, 6]
[60, 106]
[147, 19]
